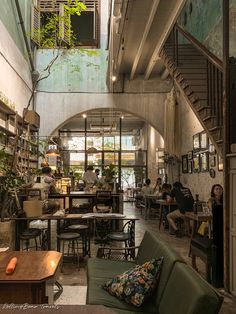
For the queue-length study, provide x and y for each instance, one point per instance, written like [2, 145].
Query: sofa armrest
[117, 253]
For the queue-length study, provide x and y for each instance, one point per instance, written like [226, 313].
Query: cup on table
[168, 198]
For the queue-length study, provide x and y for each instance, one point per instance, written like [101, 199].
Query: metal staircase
[198, 73]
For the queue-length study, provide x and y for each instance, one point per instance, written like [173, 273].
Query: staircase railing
[214, 68]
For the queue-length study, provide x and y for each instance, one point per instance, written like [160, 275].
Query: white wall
[15, 77]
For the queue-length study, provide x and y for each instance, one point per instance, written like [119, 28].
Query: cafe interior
[117, 156]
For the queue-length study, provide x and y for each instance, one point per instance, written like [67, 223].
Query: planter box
[32, 117]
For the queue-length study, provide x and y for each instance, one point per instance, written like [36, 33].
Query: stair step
[210, 117]
[193, 70]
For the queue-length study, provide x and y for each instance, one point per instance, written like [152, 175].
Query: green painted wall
[73, 71]
[9, 17]
[204, 22]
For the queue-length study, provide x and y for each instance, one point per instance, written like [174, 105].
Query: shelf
[5, 109]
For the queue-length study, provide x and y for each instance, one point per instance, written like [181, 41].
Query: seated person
[46, 183]
[184, 200]
[147, 189]
[89, 178]
[158, 186]
[216, 196]
[166, 195]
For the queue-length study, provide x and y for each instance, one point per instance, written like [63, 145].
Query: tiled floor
[71, 277]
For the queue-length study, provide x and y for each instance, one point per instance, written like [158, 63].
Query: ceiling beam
[144, 37]
[164, 35]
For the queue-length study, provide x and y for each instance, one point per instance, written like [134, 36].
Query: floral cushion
[136, 284]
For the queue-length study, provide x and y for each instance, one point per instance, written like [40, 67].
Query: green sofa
[180, 290]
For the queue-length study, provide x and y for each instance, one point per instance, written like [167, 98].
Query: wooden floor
[72, 277]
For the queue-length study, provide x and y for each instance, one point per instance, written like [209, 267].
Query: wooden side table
[33, 279]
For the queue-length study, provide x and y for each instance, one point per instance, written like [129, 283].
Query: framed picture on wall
[212, 149]
[196, 141]
[185, 163]
[190, 166]
[190, 154]
[204, 162]
[212, 161]
[220, 163]
[196, 163]
[204, 142]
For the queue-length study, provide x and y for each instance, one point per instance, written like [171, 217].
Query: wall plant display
[204, 142]
[196, 141]
[204, 162]
[185, 163]
[212, 173]
[220, 163]
[196, 163]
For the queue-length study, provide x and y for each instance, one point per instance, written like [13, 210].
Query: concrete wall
[199, 183]
[15, 76]
[56, 108]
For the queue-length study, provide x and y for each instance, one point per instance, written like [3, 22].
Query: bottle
[68, 188]
[197, 204]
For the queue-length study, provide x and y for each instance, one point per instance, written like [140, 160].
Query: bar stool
[27, 235]
[71, 239]
[83, 232]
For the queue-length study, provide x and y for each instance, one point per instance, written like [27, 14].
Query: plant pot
[7, 234]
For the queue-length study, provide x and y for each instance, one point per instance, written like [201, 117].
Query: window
[85, 27]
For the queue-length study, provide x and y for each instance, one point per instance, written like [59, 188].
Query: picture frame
[196, 163]
[190, 166]
[204, 161]
[220, 163]
[204, 141]
[196, 142]
[184, 163]
[190, 154]
[212, 149]
[212, 161]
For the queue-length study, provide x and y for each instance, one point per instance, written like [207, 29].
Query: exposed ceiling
[138, 30]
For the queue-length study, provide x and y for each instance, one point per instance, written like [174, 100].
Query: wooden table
[33, 279]
[197, 219]
[164, 203]
[87, 195]
[55, 309]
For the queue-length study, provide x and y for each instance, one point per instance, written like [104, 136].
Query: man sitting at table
[46, 183]
[184, 200]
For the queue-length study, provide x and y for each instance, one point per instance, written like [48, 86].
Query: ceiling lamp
[92, 150]
[52, 151]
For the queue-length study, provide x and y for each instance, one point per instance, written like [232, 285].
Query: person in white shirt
[89, 177]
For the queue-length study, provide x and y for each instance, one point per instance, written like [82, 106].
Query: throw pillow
[136, 284]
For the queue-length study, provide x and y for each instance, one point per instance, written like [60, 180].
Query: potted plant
[109, 173]
[9, 181]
